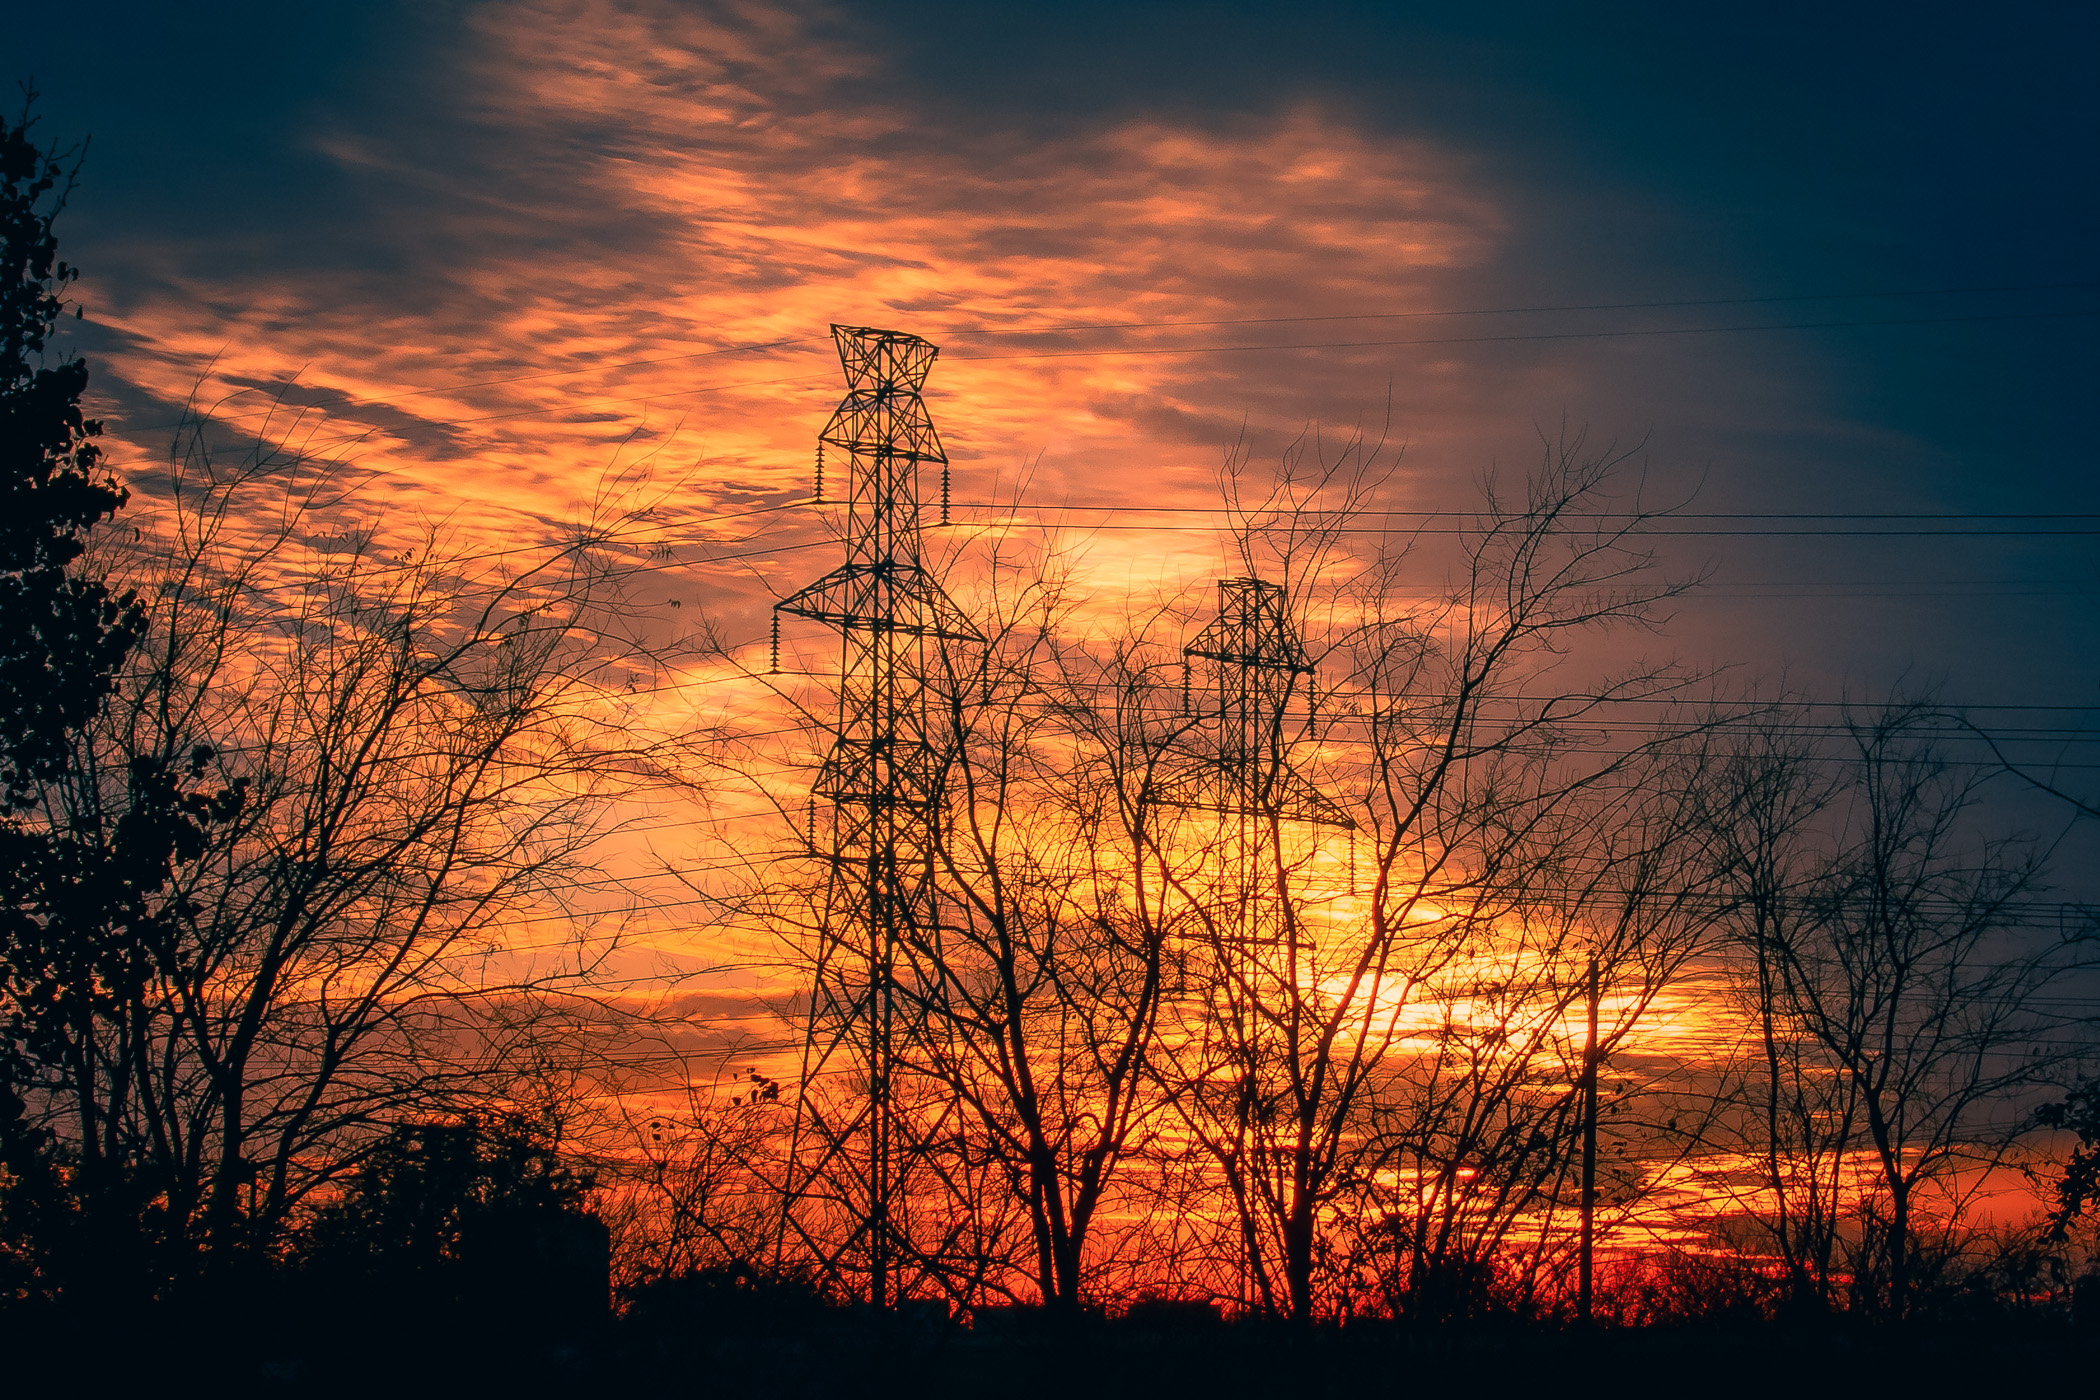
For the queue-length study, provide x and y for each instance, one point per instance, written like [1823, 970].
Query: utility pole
[1589, 1153]
[881, 779]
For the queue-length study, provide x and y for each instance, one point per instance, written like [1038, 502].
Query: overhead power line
[1539, 310]
[1637, 532]
[1537, 335]
[1352, 512]
[660, 534]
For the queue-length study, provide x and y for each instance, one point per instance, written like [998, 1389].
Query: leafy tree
[2079, 1187]
[82, 896]
[466, 1216]
[63, 637]
[253, 859]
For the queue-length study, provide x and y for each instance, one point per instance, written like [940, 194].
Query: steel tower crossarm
[1257, 658]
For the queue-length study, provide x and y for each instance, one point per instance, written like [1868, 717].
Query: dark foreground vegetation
[731, 1336]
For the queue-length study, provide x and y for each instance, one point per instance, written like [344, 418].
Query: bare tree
[1059, 907]
[1461, 776]
[1030, 969]
[396, 757]
[702, 1192]
[1415, 1074]
[1770, 851]
[1918, 982]
[1474, 1186]
[1893, 967]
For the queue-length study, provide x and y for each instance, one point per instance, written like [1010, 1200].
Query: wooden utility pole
[1589, 1156]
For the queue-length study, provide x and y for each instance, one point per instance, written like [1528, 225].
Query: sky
[489, 251]
[1824, 272]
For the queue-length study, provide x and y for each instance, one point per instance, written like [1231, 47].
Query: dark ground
[773, 1349]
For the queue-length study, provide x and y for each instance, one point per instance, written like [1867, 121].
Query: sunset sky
[396, 204]
[500, 248]
[1824, 273]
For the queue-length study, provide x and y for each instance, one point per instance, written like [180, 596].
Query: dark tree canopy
[2079, 1187]
[438, 1193]
[61, 635]
[72, 902]
[463, 1214]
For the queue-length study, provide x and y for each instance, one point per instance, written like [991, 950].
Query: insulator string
[933, 903]
[774, 668]
[819, 498]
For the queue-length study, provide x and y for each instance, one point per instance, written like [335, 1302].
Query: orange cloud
[652, 190]
[714, 196]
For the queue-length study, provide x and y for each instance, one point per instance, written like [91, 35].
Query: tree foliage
[2079, 1186]
[62, 636]
[74, 913]
[452, 1207]
[277, 792]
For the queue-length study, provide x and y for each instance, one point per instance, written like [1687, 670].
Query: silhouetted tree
[62, 636]
[1030, 983]
[2077, 1113]
[1054, 919]
[466, 1219]
[1478, 1129]
[696, 1193]
[75, 905]
[1899, 982]
[1800, 1122]
[1408, 1017]
[363, 759]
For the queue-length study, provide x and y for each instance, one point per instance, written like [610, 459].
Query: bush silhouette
[466, 1222]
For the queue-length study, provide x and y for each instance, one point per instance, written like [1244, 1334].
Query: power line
[1517, 527]
[1576, 718]
[1353, 513]
[1538, 310]
[1538, 336]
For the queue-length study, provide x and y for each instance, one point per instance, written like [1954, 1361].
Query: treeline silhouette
[318, 1065]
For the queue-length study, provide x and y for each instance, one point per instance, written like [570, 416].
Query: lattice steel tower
[1240, 768]
[881, 777]
[1255, 661]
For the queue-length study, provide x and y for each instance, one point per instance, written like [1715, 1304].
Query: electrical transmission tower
[882, 783]
[1255, 660]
